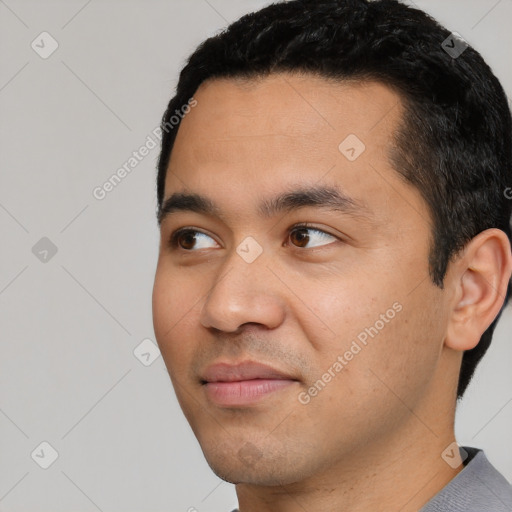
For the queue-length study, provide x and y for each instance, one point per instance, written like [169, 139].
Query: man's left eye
[303, 238]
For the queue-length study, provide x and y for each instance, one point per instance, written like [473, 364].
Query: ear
[480, 278]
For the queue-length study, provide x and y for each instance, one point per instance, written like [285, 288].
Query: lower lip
[244, 392]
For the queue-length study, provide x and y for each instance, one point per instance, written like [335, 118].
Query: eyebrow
[324, 197]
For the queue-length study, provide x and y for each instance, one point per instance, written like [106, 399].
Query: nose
[244, 293]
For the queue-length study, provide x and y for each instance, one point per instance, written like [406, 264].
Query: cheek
[380, 328]
[173, 314]
[342, 307]
[349, 295]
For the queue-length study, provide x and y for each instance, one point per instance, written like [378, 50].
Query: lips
[245, 384]
[249, 370]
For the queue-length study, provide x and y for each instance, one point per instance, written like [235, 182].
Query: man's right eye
[185, 238]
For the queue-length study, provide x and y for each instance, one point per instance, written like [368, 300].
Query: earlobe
[481, 277]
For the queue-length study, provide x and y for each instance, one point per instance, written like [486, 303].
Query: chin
[257, 465]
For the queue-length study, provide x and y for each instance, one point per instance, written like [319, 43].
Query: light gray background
[69, 326]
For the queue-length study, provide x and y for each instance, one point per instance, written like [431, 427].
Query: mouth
[243, 384]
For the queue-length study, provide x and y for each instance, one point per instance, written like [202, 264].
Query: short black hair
[454, 140]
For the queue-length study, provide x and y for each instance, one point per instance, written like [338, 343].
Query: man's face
[344, 308]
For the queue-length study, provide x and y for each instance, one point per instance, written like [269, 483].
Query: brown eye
[186, 240]
[301, 236]
[189, 240]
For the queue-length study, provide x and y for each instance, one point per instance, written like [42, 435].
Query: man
[333, 194]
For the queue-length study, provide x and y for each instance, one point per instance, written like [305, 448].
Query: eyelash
[173, 239]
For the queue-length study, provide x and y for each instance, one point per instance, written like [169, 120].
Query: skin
[357, 444]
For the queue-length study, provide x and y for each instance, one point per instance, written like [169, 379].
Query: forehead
[285, 117]
[297, 104]
[249, 138]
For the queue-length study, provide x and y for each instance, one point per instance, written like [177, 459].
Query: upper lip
[247, 370]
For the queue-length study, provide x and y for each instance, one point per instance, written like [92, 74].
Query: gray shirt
[479, 487]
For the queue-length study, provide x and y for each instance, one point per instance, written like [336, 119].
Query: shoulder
[479, 487]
